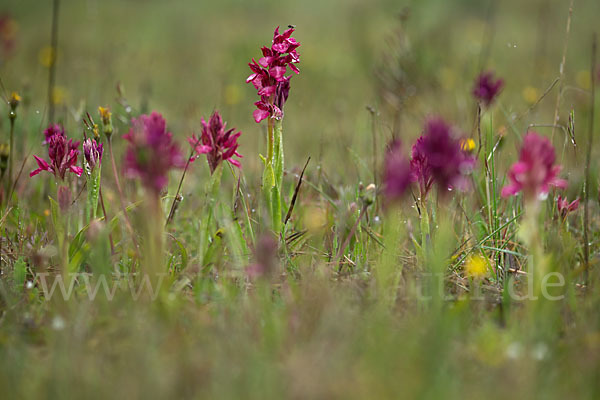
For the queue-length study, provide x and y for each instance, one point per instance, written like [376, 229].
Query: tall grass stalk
[588, 161]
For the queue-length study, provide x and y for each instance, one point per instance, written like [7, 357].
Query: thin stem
[176, 198]
[11, 150]
[121, 197]
[53, 49]
[588, 161]
[271, 140]
[350, 235]
[110, 239]
[478, 122]
[562, 69]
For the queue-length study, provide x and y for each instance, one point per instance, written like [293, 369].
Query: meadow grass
[324, 274]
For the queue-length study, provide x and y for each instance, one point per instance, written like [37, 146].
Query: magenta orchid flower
[216, 142]
[564, 207]
[151, 152]
[535, 171]
[438, 157]
[268, 75]
[51, 130]
[61, 152]
[486, 89]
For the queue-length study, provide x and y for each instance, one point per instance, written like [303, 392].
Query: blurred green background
[186, 58]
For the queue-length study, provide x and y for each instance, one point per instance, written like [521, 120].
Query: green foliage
[353, 297]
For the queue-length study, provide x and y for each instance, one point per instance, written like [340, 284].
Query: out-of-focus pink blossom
[265, 254]
[535, 171]
[151, 152]
[486, 88]
[419, 168]
[8, 33]
[438, 157]
[397, 172]
[217, 143]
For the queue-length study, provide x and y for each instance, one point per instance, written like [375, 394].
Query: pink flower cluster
[217, 143]
[268, 75]
[61, 152]
[151, 152]
[535, 171]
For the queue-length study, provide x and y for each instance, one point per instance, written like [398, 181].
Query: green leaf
[276, 209]
[93, 191]
[57, 221]
[182, 252]
[20, 273]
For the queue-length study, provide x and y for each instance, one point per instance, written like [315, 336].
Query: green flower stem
[60, 221]
[270, 139]
[389, 269]
[11, 150]
[278, 155]
[437, 254]
[93, 191]
[530, 234]
[273, 173]
[153, 256]
[424, 221]
[211, 193]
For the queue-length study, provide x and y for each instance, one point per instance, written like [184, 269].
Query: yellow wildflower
[467, 145]
[476, 266]
[14, 96]
[105, 114]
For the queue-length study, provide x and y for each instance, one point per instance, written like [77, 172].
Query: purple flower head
[535, 171]
[438, 157]
[151, 152]
[564, 207]
[217, 143]
[268, 75]
[397, 172]
[92, 152]
[486, 89]
[61, 152]
[51, 130]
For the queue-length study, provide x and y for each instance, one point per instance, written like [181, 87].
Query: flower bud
[106, 116]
